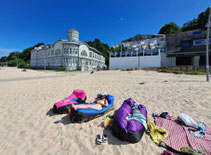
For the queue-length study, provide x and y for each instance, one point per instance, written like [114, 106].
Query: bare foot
[74, 107]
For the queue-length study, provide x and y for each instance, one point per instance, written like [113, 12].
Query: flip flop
[98, 140]
[104, 138]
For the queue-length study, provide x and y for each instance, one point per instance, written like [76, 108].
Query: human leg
[87, 106]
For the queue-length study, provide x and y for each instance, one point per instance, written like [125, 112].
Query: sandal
[98, 140]
[104, 138]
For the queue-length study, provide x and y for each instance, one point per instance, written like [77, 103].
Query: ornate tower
[72, 35]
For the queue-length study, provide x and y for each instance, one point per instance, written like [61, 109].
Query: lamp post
[207, 46]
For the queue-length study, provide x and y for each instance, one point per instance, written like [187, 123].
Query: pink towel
[179, 136]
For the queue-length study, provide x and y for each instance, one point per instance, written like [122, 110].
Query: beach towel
[138, 116]
[179, 136]
[157, 134]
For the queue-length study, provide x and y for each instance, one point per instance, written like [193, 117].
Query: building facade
[188, 48]
[146, 41]
[143, 51]
[71, 54]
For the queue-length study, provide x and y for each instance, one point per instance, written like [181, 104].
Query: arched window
[58, 51]
[84, 53]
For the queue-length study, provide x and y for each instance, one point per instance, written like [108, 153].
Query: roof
[69, 42]
[72, 30]
[143, 37]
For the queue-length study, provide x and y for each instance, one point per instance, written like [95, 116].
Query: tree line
[196, 23]
[19, 59]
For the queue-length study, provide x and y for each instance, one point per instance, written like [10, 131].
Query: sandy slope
[26, 129]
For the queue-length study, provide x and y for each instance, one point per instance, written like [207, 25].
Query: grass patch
[178, 71]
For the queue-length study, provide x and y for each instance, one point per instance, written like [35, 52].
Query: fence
[141, 52]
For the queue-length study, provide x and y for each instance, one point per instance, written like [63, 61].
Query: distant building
[115, 46]
[143, 51]
[145, 41]
[188, 48]
[71, 54]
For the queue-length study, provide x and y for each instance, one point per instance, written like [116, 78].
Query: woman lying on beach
[100, 103]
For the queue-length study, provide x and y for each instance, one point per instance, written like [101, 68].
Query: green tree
[203, 19]
[170, 28]
[14, 55]
[198, 23]
[22, 64]
[191, 25]
[39, 44]
[15, 62]
[26, 54]
[3, 59]
[102, 47]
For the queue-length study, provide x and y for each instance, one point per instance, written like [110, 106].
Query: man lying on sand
[100, 103]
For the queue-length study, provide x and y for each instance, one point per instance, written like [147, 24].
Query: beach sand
[27, 123]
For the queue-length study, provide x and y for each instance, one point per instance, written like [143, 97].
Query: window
[84, 53]
[73, 50]
[76, 50]
[90, 54]
[70, 50]
[185, 44]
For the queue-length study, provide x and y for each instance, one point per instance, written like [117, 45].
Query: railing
[141, 52]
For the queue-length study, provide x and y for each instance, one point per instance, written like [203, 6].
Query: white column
[195, 60]
[173, 61]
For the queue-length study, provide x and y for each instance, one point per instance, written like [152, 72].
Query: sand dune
[27, 123]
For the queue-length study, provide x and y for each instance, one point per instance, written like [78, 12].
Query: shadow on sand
[64, 120]
[50, 112]
[112, 140]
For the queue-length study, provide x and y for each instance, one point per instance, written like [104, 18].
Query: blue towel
[74, 99]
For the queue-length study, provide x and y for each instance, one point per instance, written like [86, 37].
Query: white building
[71, 54]
[143, 51]
[146, 41]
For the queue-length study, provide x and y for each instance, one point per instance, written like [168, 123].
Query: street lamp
[207, 46]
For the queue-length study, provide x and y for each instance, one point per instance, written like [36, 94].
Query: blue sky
[23, 23]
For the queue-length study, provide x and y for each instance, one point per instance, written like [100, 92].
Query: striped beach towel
[138, 116]
[179, 136]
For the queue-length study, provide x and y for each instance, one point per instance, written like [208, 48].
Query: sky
[24, 23]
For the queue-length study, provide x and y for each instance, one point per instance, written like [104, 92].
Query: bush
[62, 68]
[3, 63]
[22, 65]
[13, 63]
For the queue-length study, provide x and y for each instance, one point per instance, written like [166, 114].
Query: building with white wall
[71, 54]
[145, 41]
[143, 51]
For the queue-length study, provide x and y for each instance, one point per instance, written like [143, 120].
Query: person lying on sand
[100, 103]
